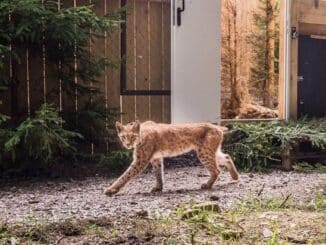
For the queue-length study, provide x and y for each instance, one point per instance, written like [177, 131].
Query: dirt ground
[54, 201]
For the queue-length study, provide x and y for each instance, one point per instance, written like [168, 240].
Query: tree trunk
[235, 96]
[269, 83]
[239, 92]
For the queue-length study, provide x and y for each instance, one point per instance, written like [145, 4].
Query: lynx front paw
[111, 191]
[156, 189]
[205, 186]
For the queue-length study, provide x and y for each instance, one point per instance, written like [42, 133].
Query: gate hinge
[300, 78]
[294, 32]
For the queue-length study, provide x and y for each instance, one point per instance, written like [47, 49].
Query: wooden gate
[146, 73]
[143, 47]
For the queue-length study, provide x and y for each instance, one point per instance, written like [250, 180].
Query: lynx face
[128, 134]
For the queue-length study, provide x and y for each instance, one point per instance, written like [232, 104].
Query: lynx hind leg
[158, 169]
[225, 160]
[207, 158]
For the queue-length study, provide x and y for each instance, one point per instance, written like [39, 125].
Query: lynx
[151, 142]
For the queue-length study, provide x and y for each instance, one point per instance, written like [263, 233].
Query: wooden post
[294, 61]
[286, 160]
[282, 78]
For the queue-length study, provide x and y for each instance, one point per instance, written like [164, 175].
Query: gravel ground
[54, 200]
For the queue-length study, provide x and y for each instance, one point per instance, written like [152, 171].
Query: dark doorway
[312, 77]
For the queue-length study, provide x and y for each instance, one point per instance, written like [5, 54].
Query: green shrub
[35, 22]
[92, 121]
[65, 36]
[257, 145]
[118, 155]
[115, 161]
[305, 167]
[41, 137]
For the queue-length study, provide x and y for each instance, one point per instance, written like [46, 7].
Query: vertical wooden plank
[19, 92]
[98, 47]
[281, 60]
[37, 75]
[36, 80]
[52, 84]
[82, 99]
[44, 69]
[129, 102]
[156, 61]
[166, 26]
[85, 98]
[113, 52]
[149, 57]
[5, 99]
[5, 96]
[5, 105]
[68, 98]
[76, 68]
[294, 61]
[28, 82]
[142, 54]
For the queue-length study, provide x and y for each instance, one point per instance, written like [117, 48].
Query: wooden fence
[147, 57]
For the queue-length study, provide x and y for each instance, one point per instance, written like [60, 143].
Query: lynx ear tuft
[136, 126]
[119, 126]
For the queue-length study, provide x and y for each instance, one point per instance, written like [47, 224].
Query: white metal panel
[196, 62]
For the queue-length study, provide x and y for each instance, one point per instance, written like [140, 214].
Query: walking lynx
[151, 142]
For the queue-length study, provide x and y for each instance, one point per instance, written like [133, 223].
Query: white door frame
[182, 70]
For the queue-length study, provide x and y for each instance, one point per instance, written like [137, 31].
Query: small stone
[262, 216]
[33, 201]
[132, 237]
[251, 175]
[214, 198]
[297, 240]
[273, 217]
[202, 175]
[180, 191]
[14, 241]
[142, 213]
[267, 232]
[62, 188]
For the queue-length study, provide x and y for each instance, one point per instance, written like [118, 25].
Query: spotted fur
[151, 142]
